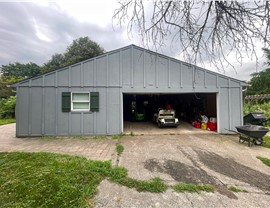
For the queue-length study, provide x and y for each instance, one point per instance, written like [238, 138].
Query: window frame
[80, 110]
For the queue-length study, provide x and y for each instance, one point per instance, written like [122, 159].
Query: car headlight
[162, 120]
[176, 120]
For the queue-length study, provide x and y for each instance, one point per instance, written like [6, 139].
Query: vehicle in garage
[166, 118]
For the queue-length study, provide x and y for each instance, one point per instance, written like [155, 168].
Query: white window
[80, 101]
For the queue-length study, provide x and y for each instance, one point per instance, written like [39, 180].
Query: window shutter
[66, 102]
[94, 99]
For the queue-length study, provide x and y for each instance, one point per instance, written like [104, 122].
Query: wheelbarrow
[251, 134]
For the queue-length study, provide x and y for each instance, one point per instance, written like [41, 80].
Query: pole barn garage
[95, 97]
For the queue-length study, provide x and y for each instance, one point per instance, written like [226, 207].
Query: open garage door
[139, 109]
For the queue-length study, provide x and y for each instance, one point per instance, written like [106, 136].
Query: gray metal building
[87, 98]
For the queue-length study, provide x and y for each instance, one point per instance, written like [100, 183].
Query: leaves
[7, 107]
[18, 70]
[81, 49]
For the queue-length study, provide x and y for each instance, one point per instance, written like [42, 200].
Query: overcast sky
[34, 31]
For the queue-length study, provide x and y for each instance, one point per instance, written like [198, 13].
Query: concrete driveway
[198, 158]
[194, 158]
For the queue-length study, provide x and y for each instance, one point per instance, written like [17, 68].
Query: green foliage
[19, 70]
[117, 136]
[47, 180]
[56, 62]
[4, 121]
[190, 187]
[119, 149]
[266, 161]
[155, 185]
[81, 49]
[5, 81]
[236, 189]
[266, 140]
[260, 82]
[257, 107]
[7, 107]
[56, 180]
[267, 54]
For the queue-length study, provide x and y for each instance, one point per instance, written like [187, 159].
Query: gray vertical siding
[127, 70]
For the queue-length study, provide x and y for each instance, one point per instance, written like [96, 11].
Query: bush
[257, 107]
[7, 107]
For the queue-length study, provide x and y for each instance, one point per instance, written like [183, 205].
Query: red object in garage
[197, 124]
[212, 126]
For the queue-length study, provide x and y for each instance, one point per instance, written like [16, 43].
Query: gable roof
[243, 83]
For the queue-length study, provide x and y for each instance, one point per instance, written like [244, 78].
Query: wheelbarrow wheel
[258, 141]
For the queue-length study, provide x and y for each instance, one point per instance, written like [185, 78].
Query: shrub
[7, 107]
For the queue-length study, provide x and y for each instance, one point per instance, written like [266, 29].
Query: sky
[32, 31]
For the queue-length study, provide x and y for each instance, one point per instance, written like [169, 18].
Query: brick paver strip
[92, 149]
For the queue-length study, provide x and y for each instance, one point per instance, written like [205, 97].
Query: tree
[5, 82]
[202, 29]
[267, 54]
[81, 49]
[18, 70]
[12, 73]
[260, 81]
[57, 61]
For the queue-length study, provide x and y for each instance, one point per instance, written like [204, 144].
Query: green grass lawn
[57, 180]
[48, 180]
[4, 121]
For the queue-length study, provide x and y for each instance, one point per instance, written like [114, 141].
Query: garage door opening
[139, 109]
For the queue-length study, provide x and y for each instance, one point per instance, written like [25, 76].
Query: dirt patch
[235, 170]
[185, 173]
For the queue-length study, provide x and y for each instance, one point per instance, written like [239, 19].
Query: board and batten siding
[127, 70]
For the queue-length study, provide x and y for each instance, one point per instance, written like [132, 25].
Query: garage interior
[139, 110]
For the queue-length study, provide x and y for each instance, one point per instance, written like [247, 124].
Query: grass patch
[236, 189]
[155, 185]
[118, 136]
[266, 161]
[48, 179]
[58, 180]
[119, 149]
[4, 121]
[190, 187]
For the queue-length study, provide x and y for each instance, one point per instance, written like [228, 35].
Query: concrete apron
[198, 158]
